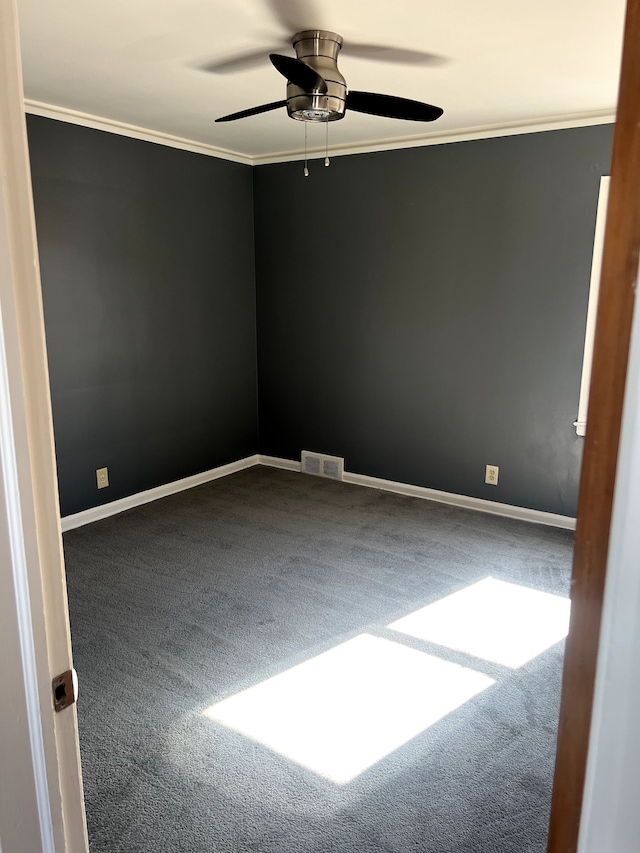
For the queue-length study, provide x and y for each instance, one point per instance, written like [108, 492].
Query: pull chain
[327, 162]
[306, 170]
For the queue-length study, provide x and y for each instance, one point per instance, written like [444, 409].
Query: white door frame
[41, 804]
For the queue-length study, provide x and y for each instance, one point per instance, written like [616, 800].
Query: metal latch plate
[64, 689]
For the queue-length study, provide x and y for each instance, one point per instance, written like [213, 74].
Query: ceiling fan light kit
[317, 91]
[318, 49]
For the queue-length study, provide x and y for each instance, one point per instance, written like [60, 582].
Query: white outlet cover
[491, 475]
[102, 477]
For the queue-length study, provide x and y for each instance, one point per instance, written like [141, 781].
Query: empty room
[319, 393]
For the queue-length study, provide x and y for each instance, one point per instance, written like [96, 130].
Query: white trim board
[41, 802]
[592, 310]
[69, 522]
[506, 510]
[444, 137]
[544, 123]
[278, 462]
[38, 108]
[78, 519]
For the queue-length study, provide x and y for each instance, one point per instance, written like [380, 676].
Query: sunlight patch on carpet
[343, 711]
[498, 621]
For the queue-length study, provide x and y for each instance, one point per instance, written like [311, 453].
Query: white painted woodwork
[41, 806]
[541, 125]
[463, 501]
[78, 519]
[494, 508]
[592, 310]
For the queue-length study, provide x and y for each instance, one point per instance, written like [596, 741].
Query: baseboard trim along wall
[277, 462]
[506, 510]
[69, 522]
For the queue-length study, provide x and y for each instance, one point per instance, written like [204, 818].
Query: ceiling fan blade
[392, 107]
[298, 73]
[238, 62]
[254, 111]
[294, 15]
[400, 55]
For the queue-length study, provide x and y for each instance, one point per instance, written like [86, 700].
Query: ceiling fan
[317, 91]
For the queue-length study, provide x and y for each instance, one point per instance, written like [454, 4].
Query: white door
[41, 806]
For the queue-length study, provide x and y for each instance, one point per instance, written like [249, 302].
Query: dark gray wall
[422, 312]
[444, 331]
[149, 296]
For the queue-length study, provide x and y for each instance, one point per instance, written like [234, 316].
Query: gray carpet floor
[180, 603]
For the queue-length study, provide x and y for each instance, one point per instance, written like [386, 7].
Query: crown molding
[38, 108]
[490, 131]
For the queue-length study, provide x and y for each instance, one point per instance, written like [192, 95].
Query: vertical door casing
[40, 769]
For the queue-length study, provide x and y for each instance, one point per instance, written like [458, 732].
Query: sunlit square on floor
[498, 621]
[343, 711]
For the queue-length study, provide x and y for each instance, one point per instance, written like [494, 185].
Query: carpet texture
[179, 604]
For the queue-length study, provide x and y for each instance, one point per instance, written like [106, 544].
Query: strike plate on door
[65, 689]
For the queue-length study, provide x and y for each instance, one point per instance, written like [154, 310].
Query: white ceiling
[504, 62]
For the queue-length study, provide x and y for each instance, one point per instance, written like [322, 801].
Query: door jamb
[29, 509]
[595, 502]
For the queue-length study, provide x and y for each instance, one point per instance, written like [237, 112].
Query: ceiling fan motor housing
[319, 49]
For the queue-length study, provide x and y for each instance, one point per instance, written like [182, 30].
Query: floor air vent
[321, 465]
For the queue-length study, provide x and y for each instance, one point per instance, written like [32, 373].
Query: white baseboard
[478, 504]
[506, 510]
[277, 462]
[69, 522]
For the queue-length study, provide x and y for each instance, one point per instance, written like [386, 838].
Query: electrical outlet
[102, 477]
[491, 475]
